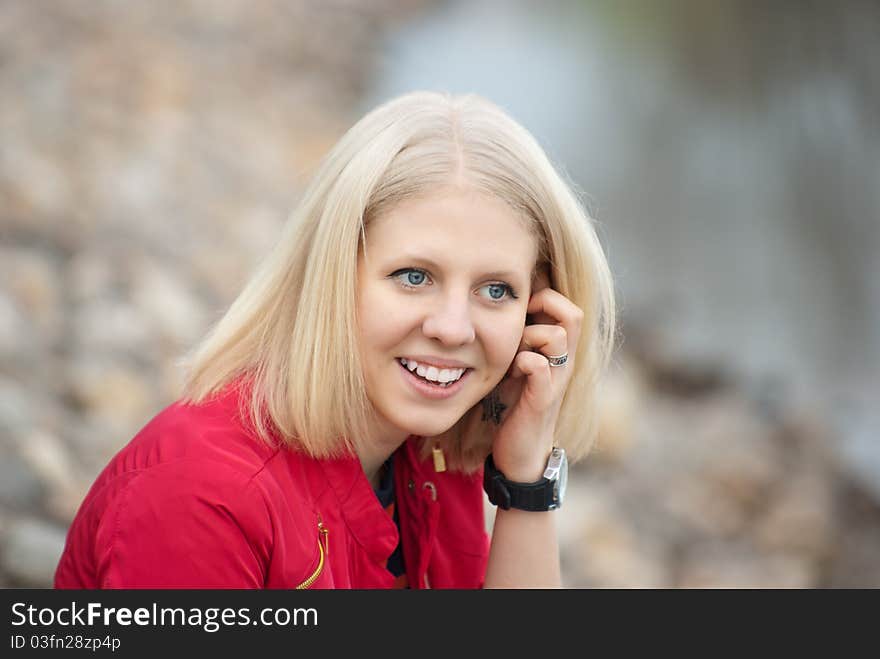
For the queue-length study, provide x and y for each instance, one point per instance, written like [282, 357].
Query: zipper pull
[439, 458]
[325, 533]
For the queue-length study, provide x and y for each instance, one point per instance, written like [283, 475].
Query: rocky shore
[149, 160]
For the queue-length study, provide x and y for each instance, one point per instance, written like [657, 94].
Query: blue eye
[500, 289]
[410, 277]
[414, 278]
[419, 278]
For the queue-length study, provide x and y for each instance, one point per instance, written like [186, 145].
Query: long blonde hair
[291, 333]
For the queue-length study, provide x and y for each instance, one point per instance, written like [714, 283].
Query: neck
[384, 440]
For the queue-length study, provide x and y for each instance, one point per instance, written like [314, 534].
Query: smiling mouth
[433, 382]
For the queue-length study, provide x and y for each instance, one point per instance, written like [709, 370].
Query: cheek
[381, 325]
[502, 341]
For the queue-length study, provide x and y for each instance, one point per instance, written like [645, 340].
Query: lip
[429, 390]
[426, 360]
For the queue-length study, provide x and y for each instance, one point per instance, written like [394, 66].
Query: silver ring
[558, 361]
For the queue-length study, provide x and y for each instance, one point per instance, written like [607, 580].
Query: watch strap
[535, 497]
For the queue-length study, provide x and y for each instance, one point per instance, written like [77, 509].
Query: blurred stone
[855, 418]
[30, 551]
[171, 380]
[107, 391]
[800, 518]
[610, 555]
[18, 340]
[89, 276]
[600, 548]
[16, 410]
[37, 181]
[163, 297]
[671, 366]
[622, 393]
[857, 561]
[32, 280]
[581, 500]
[710, 464]
[735, 565]
[703, 507]
[111, 326]
[711, 473]
[93, 441]
[5, 521]
[47, 457]
[20, 488]
[223, 286]
[737, 451]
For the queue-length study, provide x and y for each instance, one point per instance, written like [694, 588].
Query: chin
[429, 428]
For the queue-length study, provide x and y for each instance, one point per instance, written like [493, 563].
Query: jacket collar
[359, 507]
[369, 523]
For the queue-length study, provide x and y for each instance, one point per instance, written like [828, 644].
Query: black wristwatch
[542, 495]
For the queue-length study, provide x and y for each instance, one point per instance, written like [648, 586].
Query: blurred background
[730, 152]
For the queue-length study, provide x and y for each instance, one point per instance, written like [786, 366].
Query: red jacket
[195, 500]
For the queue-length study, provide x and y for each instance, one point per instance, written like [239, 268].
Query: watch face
[562, 482]
[557, 471]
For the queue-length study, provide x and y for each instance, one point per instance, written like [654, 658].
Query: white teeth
[445, 375]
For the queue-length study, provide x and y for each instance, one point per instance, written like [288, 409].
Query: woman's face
[439, 284]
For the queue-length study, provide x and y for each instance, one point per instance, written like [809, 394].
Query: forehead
[457, 227]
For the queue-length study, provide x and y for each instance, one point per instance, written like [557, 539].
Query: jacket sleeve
[185, 524]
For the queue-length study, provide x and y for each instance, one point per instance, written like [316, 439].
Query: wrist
[523, 471]
[532, 494]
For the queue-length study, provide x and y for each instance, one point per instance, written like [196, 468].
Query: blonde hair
[291, 333]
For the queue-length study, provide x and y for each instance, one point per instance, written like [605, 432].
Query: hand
[532, 390]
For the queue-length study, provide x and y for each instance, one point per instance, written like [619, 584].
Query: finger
[536, 369]
[562, 311]
[554, 304]
[549, 340]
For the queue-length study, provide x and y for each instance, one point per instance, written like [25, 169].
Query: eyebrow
[495, 274]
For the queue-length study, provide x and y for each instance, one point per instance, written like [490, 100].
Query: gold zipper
[323, 551]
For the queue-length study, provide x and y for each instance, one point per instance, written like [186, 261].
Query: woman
[432, 324]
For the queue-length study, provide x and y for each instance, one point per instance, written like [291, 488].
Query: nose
[451, 323]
